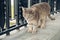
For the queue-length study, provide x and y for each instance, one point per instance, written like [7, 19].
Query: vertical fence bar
[2, 15]
[39, 1]
[20, 20]
[20, 12]
[16, 3]
[8, 11]
[28, 3]
[51, 2]
[58, 5]
[15, 8]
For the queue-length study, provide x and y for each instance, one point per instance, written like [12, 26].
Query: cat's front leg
[30, 28]
[35, 25]
[34, 29]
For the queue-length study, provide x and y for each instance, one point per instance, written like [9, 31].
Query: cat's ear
[24, 9]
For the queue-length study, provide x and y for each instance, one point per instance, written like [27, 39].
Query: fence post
[2, 15]
[51, 2]
[28, 3]
[58, 5]
[8, 11]
[16, 12]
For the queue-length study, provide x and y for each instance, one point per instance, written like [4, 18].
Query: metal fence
[6, 9]
[5, 13]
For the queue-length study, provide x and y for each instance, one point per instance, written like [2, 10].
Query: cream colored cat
[36, 16]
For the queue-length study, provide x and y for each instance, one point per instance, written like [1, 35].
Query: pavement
[51, 32]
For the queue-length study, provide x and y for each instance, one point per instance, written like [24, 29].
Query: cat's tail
[51, 17]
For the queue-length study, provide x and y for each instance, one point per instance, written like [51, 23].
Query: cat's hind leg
[43, 22]
[39, 23]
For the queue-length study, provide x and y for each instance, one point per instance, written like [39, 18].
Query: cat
[36, 16]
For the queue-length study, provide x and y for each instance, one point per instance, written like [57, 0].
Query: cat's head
[26, 12]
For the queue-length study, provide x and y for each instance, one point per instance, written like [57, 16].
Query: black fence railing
[5, 11]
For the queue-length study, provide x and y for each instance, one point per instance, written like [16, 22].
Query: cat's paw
[42, 27]
[34, 31]
[30, 30]
[52, 18]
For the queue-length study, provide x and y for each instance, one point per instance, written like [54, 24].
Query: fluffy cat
[36, 16]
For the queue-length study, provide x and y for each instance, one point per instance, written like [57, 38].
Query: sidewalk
[51, 32]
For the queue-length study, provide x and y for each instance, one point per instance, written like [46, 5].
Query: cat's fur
[36, 15]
